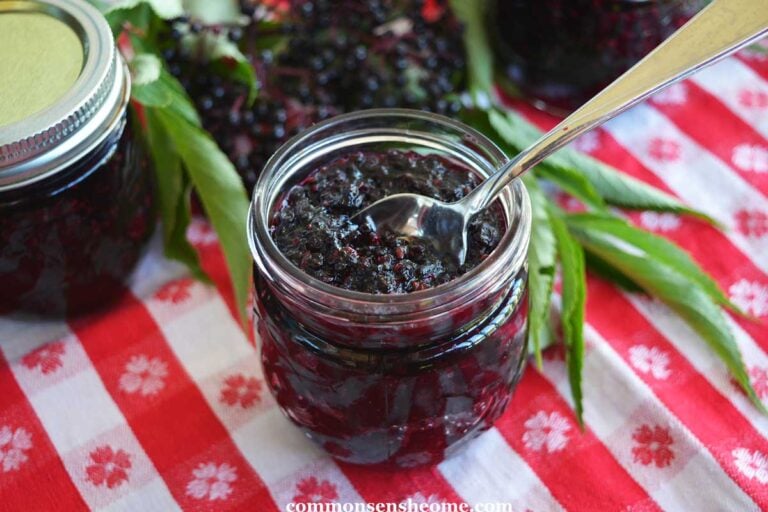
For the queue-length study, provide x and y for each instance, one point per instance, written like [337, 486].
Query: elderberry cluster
[336, 56]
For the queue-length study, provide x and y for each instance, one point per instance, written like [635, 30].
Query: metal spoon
[717, 31]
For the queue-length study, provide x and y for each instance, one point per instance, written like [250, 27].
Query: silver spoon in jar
[719, 30]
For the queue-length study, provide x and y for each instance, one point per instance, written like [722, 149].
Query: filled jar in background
[560, 53]
[386, 379]
[75, 188]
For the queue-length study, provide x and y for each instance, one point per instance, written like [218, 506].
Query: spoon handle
[718, 30]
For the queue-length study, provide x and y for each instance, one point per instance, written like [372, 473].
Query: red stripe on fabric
[387, 486]
[758, 66]
[574, 470]
[699, 114]
[171, 419]
[709, 415]
[41, 480]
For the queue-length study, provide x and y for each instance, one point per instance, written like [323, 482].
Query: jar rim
[275, 266]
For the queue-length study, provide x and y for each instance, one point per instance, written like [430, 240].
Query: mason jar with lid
[75, 188]
[560, 53]
[390, 380]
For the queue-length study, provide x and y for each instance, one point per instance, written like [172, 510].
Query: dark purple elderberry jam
[401, 407]
[382, 353]
[563, 52]
[75, 190]
[312, 226]
[68, 243]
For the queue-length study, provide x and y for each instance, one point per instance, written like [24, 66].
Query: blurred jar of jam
[76, 205]
[560, 53]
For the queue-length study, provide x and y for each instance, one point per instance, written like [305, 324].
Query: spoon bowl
[416, 216]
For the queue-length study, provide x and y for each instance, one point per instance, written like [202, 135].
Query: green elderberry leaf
[145, 69]
[164, 92]
[574, 292]
[217, 48]
[166, 9]
[173, 194]
[479, 54]
[214, 12]
[653, 246]
[542, 261]
[222, 194]
[138, 13]
[673, 287]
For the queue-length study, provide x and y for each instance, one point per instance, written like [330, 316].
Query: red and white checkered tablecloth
[159, 403]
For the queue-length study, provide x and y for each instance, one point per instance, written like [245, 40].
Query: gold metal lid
[44, 135]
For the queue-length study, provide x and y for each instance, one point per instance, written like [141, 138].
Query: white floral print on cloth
[752, 223]
[201, 234]
[675, 94]
[242, 391]
[759, 378]
[175, 292]
[664, 150]
[212, 481]
[587, 142]
[750, 296]
[546, 432]
[14, 444]
[650, 360]
[656, 221]
[752, 98]
[312, 490]
[653, 445]
[750, 158]
[108, 467]
[46, 359]
[144, 375]
[752, 464]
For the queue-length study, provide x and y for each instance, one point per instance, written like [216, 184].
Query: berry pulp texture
[312, 226]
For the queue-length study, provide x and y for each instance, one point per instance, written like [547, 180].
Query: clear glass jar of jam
[75, 189]
[393, 380]
[560, 53]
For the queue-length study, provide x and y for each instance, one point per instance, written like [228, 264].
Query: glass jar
[391, 380]
[75, 188]
[560, 53]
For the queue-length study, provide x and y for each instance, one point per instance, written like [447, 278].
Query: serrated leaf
[614, 187]
[479, 54]
[603, 269]
[217, 47]
[677, 291]
[167, 93]
[137, 15]
[570, 180]
[166, 9]
[758, 48]
[173, 193]
[222, 194]
[654, 247]
[574, 288]
[214, 12]
[145, 69]
[542, 259]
